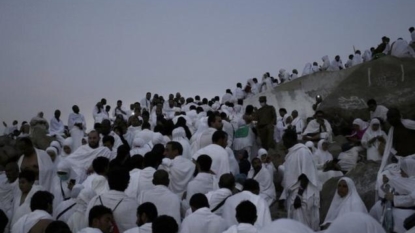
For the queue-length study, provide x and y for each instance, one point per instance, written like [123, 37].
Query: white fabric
[46, 168]
[357, 59]
[373, 148]
[25, 223]
[83, 157]
[202, 183]
[314, 127]
[233, 163]
[202, 139]
[239, 93]
[20, 210]
[263, 213]
[90, 230]
[62, 207]
[227, 97]
[60, 188]
[78, 220]
[348, 159]
[69, 143]
[399, 215]
[299, 126]
[355, 222]
[179, 135]
[367, 56]
[219, 156]
[166, 202]
[336, 65]
[139, 147]
[297, 163]
[145, 180]
[180, 171]
[321, 156]
[266, 184]
[145, 104]
[7, 193]
[401, 48]
[145, 228]
[76, 133]
[217, 196]
[266, 84]
[315, 68]
[56, 126]
[201, 221]
[326, 63]
[242, 228]
[146, 135]
[286, 226]
[116, 112]
[311, 146]
[350, 203]
[349, 63]
[122, 213]
[380, 112]
[132, 189]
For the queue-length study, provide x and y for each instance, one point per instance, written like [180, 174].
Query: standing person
[145, 103]
[56, 125]
[246, 215]
[300, 184]
[120, 110]
[377, 111]
[267, 119]
[412, 31]
[77, 126]
[100, 220]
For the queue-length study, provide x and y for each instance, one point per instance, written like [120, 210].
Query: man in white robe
[146, 213]
[300, 183]
[56, 126]
[179, 135]
[106, 130]
[166, 201]
[218, 154]
[239, 93]
[318, 128]
[9, 184]
[139, 147]
[315, 67]
[66, 208]
[279, 129]
[115, 199]
[401, 48]
[246, 215]
[326, 63]
[120, 110]
[357, 58]
[146, 134]
[217, 198]
[265, 180]
[39, 218]
[250, 192]
[336, 64]
[36, 160]
[227, 97]
[81, 159]
[169, 110]
[77, 126]
[202, 219]
[100, 220]
[204, 138]
[145, 103]
[180, 169]
[377, 111]
[298, 123]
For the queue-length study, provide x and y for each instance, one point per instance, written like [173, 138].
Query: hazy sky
[54, 54]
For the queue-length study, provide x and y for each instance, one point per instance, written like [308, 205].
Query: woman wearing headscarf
[78, 220]
[354, 222]
[311, 146]
[181, 122]
[67, 147]
[307, 69]
[63, 181]
[139, 147]
[374, 140]
[321, 158]
[345, 200]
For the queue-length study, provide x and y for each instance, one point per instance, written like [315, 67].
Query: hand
[385, 179]
[389, 196]
[297, 202]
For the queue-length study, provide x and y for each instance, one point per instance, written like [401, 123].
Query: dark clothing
[267, 119]
[403, 141]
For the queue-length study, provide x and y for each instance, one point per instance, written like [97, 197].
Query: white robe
[315, 68]
[307, 69]
[326, 63]
[68, 206]
[233, 163]
[297, 162]
[76, 133]
[227, 97]
[314, 127]
[202, 139]
[121, 205]
[286, 226]
[401, 48]
[78, 220]
[335, 65]
[132, 189]
[25, 223]
[180, 171]
[7, 193]
[349, 63]
[145, 228]
[266, 184]
[20, 210]
[146, 135]
[229, 208]
[179, 135]
[242, 228]
[299, 126]
[145, 104]
[266, 85]
[373, 149]
[367, 56]
[320, 158]
[239, 93]
[380, 112]
[46, 169]
[219, 156]
[201, 221]
[202, 183]
[90, 230]
[166, 201]
[342, 205]
[83, 157]
[215, 197]
[117, 140]
[357, 59]
[355, 222]
[56, 127]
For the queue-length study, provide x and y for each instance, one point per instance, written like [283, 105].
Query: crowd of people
[198, 165]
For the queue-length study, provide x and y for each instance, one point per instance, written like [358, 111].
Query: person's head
[52, 152]
[220, 138]
[351, 56]
[57, 227]
[108, 141]
[319, 116]
[342, 188]
[101, 165]
[315, 63]
[93, 139]
[252, 186]
[246, 213]
[294, 114]
[161, 177]
[173, 149]
[198, 201]
[358, 52]
[107, 108]
[57, 114]
[375, 124]
[25, 146]
[146, 213]
[119, 103]
[26, 180]
[371, 105]
[123, 152]
[337, 58]
[215, 121]
[136, 161]
[165, 224]
[12, 171]
[295, 71]
[148, 95]
[118, 179]
[151, 160]
[101, 217]
[239, 85]
[75, 109]
[323, 145]
[262, 100]
[394, 117]
[42, 200]
[256, 164]
[289, 138]
[204, 163]
[407, 166]
[105, 127]
[282, 112]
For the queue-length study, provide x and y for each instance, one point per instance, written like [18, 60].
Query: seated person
[318, 128]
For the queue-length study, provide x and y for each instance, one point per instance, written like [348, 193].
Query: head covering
[323, 154]
[138, 142]
[68, 142]
[408, 166]
[52, 149]
[355, 222]
[158, 139]
[262, 152]
[310, 145]
[65, 166]
[372, 133]
[362, 124]
[57, 145]
[307, 69]
[178, 133]
[286, 226]
[76, 190]
[350, 203]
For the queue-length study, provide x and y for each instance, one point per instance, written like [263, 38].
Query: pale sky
[54, 54]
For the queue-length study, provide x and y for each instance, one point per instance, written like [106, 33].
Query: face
[52, 155]
[119, 104]
[67, 149]
[93, 139]
[108, 145]
[325, 146]
[57, 114]
[105, 127]
[76, 109]
[169, 152]
[342, 189]
[24, 185]
[218, 123]
[337, 58]
[319, 116]
[256, 164]
[12, 172]
[104, 223]
[148, 96]
[224, 142]
[375, 127]
[294, 114]
[282, 113]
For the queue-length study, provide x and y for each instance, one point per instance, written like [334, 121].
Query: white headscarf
[355, 222]
[362, 124]
[367, 55]
[67, 142]
[138, 142]
[307, 69]
[350, 203]
[57, 145]
[178, 133]
[310, 145]
[158, 139]
[285, 226]
[370, 132]
[64, 166]
[262, 152]
[326, 62]
[324, 155]
[408, 166]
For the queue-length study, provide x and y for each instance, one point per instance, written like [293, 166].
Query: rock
[39, 138]
[364, 177]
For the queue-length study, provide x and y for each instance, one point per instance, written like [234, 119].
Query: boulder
[364, 176]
